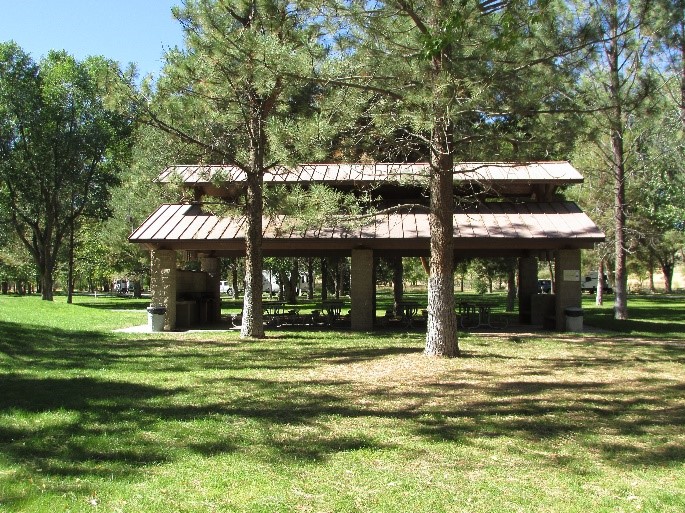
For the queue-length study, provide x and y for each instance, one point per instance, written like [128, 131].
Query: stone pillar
[211, 266]
[567, 283]
[163, 283]
[528, 285]
[361, 290]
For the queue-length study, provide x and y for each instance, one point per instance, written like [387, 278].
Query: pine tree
[236, 93]
[461, 79]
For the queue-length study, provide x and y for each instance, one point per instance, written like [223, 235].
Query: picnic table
[474, 315]
[273, 311]
[407, 311]
[332, 310]
[273, 307]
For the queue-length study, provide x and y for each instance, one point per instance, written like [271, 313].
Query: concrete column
[211, 266]
[361, 290]
[567, 283]
[163, 283]
[528, 285]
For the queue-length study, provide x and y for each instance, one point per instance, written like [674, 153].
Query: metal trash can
[574, 319]
[155, 317]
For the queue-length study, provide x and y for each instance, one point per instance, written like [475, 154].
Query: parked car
[225, 288]
[120, 286]
[589, 283]
[545, 286]
[269, 285]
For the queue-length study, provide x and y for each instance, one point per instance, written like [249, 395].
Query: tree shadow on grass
[101, 431]
[82, 425]
[87, 426]
[101, 426]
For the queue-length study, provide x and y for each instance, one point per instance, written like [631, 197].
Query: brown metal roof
[494, 227]
[556, 173]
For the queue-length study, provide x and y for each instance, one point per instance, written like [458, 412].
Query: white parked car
[589, 283]
[269, 285]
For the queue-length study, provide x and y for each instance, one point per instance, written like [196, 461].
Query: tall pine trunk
[253, 322]
[441, 333]
[310, 278]
[618, 165]
[324, 279]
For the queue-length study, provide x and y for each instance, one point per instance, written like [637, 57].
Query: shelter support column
[163, 283]
[566, 283]
[528, 286]
[211, 266]
[361, 290]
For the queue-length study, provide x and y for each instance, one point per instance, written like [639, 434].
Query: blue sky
[124, 30]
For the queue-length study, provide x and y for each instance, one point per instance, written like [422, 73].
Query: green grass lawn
[92, 420]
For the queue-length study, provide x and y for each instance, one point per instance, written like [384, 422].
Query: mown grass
[660, 316]
[92, 420]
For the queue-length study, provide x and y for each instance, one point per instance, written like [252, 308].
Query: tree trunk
[46, 283]
[234, 280]
[70, 271]
[324, 279]
[338, 282]
[46, 268]
[511, 289]
[667, 270]
[137, 289]
[441, 332]
[397, 281]
[681, 47]
[425, 265]
[650, 271]
[284, 285]
[613, 54]
[599, 299]
[253, 322]
[293, 282]
[310, 278]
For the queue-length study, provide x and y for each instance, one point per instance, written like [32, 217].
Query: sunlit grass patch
[333, 421]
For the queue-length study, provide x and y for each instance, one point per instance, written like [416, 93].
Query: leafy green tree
[235, 92]
[666, 26]
[136, 197]
[63, 139]
[660, 212]
[15, 264]
[617, 87]
[93, 264]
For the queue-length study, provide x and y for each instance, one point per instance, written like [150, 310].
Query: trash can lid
[573, 311]
[160, 310]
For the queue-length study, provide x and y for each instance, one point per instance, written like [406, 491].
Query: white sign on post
[571, 275]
